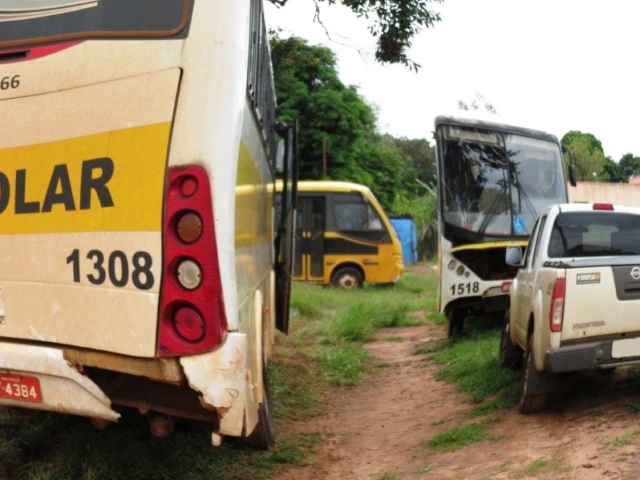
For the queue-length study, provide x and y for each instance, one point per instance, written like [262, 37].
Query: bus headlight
[452, 264]
[189, 274]
[460, 270]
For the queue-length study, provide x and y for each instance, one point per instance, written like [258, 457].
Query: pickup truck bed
[575, 301]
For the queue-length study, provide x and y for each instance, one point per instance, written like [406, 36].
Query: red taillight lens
[603, 206]
[189, 186]
[189, 324]
[192, 315]
[556, 310]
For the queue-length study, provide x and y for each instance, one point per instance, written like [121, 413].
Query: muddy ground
[379, 429]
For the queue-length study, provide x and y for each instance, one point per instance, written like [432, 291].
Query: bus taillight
[192, 317]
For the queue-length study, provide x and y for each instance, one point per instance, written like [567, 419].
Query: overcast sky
[554, 65]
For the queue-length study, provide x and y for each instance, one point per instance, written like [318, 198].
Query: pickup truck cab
[575, 301]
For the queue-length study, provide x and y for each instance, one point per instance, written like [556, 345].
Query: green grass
[536, 467]
[324, 350]
[622, 440]
[471, 363]
[394, 339]
[458, 437]
[546, 468]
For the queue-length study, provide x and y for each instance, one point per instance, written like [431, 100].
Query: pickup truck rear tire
[531, 402]
[455, 321]
[510, 354]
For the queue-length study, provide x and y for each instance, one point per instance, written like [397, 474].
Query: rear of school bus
[118, 265]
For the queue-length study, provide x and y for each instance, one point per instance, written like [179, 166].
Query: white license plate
[629, 347]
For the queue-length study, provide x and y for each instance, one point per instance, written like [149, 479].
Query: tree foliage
[588, 155]
[338, 135]
[611, 172]
[336, 123]
[333, 119]
[629, 166]
[395, 23]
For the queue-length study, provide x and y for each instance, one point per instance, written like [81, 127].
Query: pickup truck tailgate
[603, 300]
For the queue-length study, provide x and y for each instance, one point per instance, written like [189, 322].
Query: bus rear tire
[264, 434]
[455, 321]
[347, 278]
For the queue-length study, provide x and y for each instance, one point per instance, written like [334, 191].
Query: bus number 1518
[465, 288]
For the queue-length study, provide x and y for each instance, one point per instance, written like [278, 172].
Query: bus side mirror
[572, 175]
[513, 256]
[572, 166]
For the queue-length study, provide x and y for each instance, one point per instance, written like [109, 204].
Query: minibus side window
[356, 216]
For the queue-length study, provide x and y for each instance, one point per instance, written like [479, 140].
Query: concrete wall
[617, 193]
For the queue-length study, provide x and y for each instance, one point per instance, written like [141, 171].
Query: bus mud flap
[221, 377]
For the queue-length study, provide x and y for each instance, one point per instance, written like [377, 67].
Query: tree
[588, 155]
[337, 126]
[419, 163]
[594, 145]
[611, 172]
[396, 23]
[629, 166]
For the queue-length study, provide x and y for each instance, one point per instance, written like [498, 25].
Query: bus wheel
[264, 434]
[455, 321]
[347, 278]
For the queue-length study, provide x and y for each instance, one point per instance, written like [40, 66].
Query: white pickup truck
[575, 301]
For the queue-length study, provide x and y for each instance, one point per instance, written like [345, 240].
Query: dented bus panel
[136, 272]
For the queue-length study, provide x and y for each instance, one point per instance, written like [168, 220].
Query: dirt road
[379, 429]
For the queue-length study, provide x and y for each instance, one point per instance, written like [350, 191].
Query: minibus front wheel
[347, 278]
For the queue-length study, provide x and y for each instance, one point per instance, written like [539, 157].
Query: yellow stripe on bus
[112, 181]
[488, 245]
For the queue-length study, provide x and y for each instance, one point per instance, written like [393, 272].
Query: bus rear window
[29, 22]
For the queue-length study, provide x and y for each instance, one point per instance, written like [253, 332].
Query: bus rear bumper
[221, 377]
[40, 378]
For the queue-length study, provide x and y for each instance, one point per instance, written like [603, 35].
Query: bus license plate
[20, 387]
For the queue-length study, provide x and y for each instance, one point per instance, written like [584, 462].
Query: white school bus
[140, 266]
[494, 179]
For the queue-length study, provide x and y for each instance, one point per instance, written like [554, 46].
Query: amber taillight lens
[189, 227]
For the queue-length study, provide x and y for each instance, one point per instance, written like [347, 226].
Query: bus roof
[484, 122]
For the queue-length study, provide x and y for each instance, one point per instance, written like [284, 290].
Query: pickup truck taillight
[556, 311]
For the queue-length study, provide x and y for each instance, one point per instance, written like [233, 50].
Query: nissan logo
[635, 273]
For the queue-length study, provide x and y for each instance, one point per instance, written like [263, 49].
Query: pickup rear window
[591, 234]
